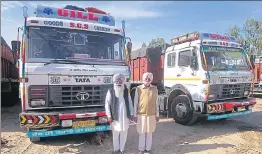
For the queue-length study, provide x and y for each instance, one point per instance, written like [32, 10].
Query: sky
[146, 20]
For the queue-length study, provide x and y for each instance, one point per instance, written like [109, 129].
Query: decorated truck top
[74, 19]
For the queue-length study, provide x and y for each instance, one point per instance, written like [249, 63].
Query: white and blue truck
[67, 59]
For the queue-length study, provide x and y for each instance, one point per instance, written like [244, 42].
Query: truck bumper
[45, 124]
[229, 115]
[228, 109]
[70, 131]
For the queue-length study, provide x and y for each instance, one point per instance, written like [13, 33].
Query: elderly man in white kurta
[119, 110]
[146, 112]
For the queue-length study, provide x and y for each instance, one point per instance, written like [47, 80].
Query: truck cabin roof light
[117, 30]
[185, 38]
[34, 21]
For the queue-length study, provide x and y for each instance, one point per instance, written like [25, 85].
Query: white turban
[147, 75]
[118, 78]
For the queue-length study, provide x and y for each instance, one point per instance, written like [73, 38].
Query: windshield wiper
[63, 61]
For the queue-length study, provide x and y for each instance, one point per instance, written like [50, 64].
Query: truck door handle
[178, 75]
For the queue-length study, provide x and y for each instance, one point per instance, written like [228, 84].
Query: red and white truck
[9, 75]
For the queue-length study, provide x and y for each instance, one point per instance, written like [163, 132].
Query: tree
[250, 34]
[144, 45]
[235, 31]
[158, 41]
[253, 34]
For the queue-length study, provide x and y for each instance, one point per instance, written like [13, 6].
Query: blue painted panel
[50, 12]
[34, 134]
[215, 117]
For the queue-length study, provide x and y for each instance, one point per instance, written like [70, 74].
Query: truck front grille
[62, 96]
[229, 91]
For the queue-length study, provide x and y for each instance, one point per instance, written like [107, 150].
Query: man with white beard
[119, 110]
[146, 112]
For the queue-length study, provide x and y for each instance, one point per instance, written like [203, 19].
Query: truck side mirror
[194, 63]
[15, 46]
[129, 46]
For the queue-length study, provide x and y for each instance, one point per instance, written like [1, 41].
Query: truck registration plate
[88, 123]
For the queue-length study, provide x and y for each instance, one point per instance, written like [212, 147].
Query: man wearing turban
[146, 112]
[119, 110]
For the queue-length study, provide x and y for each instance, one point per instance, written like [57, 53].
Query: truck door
[181, 71]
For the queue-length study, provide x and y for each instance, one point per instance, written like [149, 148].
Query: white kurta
[145, 124]
[123, 122]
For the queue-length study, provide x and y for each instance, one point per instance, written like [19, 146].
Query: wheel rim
[181, 110]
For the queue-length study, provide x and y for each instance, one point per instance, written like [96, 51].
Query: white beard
[119, 90]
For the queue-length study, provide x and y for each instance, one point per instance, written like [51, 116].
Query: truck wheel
[35, 140]
[181, 110]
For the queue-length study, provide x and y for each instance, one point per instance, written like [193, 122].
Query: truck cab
[68, 58]
[206, 75]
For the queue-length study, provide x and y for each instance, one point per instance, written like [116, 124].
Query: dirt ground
[233, 136]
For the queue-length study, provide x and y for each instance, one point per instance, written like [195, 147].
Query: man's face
[147, 81]
[119, 82]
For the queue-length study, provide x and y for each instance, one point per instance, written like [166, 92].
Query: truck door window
[117, 52]
[171, 60]
[184, 58]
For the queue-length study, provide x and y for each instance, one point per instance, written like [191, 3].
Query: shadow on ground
[169, 137]
[10, 119]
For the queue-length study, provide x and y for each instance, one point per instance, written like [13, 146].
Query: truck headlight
[102, 120]
[246, 93]
[37, 102]
[212, 96]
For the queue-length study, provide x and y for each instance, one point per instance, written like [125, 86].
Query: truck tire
[181, 111]
[35, 140]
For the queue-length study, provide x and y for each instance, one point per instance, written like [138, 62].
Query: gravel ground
[233, 136]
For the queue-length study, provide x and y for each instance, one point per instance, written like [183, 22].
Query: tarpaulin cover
[95, 10]
[153, 53]
[3, 42]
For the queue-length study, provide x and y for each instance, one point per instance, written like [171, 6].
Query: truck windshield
[225, 58]
[46, 43]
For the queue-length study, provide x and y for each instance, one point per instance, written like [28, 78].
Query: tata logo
[82, 96]
[82, 79]
[232, 91]
[48, 11]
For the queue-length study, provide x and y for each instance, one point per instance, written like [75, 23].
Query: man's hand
[135, 119]
[131, 118]
[110, 120]
[157, 119]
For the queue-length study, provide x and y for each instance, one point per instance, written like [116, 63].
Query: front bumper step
[70, 131]
[229, 115]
